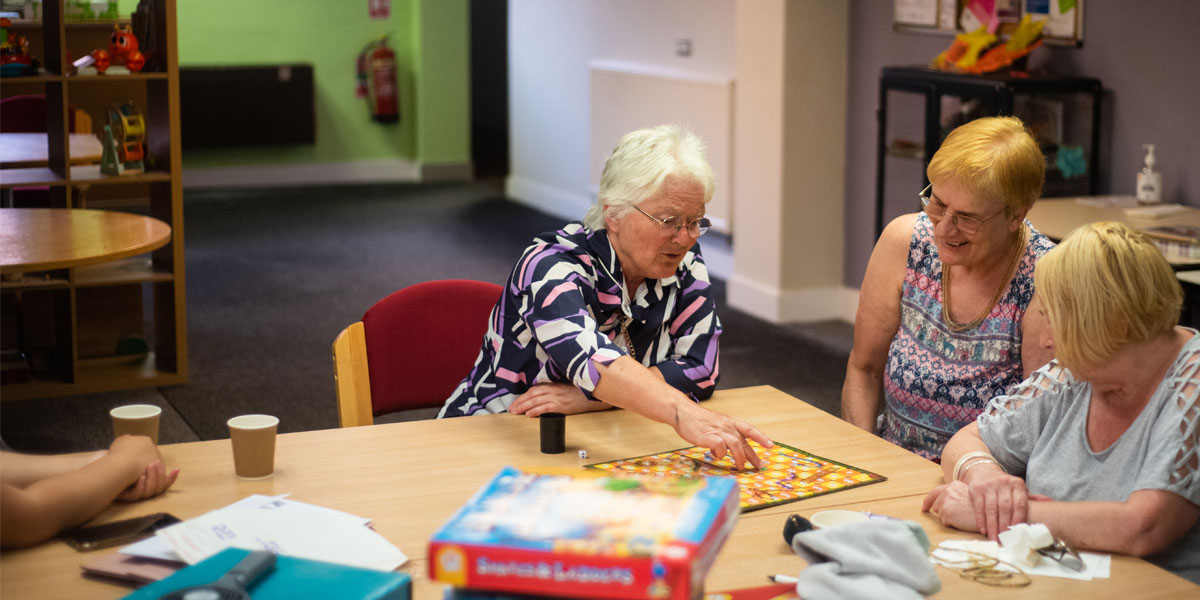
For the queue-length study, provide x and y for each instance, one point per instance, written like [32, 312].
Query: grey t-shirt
[1039, 430]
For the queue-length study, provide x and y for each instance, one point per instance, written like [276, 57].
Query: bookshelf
[118, 324]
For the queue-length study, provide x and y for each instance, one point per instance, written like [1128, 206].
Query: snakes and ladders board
[787, 474]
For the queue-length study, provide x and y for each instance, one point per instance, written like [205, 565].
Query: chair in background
[411, 349]
[27, 114]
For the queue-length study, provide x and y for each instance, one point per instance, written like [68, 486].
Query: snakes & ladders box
[587, 535]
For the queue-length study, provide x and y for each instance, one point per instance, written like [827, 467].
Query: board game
[587, 534]
[788, 474]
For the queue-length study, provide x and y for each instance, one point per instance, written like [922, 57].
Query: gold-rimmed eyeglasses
[937, 212]
[673, 225]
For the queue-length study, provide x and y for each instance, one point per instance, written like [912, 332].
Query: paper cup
[253, 439]
[830, 518]
[136, 419]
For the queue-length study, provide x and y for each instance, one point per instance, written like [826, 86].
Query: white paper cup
[830, 518]
[136, 419]
[253, 440]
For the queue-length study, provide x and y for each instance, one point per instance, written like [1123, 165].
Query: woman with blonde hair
[939, 326]
[1102, 443]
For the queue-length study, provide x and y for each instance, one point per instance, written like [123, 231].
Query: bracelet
[978, 462]
[964, 458]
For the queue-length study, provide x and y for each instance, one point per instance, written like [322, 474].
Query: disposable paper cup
[136, 419]
[253, 438]
[830, 518]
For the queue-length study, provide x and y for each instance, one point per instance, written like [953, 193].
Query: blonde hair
[641, 162]
[994, 158]
[1104, 287]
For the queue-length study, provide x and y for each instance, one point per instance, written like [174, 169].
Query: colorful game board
[788, 474]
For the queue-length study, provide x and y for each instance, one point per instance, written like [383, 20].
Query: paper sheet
[274, 523]
[1096, 565]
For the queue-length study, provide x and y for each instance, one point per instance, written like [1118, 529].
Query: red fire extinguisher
[377, 81]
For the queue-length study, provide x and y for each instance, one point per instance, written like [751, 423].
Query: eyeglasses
[673, 225]
[937, 212]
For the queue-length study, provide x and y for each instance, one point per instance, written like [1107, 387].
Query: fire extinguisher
[377, 81]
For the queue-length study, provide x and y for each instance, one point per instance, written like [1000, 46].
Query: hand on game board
[554, 397]
[720, 433]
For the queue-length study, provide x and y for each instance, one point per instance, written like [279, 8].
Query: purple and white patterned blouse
[937, 380]
[562, 311]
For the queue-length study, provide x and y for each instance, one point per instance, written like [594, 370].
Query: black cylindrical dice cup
[554, 431]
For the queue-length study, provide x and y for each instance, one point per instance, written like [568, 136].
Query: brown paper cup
[136, 419]
[253, 438]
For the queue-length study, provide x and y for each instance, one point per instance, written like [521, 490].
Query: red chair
[411, 349]
[27, 114]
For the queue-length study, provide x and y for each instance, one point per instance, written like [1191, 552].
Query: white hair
[641, 162]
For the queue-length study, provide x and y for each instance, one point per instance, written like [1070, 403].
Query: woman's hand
[720, 433]
[152, 482]
[152, 478]
[951, 502]
[999, 501]
[554, 397]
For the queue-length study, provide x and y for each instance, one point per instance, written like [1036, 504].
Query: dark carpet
[274, 275]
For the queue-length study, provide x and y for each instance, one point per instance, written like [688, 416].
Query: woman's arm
[130, 470]
[629, 385]
[1037, 344]
[996, 499]
[876, 323]
[1148, 522]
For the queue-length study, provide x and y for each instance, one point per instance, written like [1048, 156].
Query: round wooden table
[42, 239]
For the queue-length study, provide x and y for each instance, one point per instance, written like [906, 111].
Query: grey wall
[1145, 54]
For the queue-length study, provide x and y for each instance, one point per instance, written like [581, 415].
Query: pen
[788, 579]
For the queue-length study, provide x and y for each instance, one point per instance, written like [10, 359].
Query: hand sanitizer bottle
[1149, 181]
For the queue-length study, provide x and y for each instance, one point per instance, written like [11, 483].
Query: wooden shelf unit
[67, 323]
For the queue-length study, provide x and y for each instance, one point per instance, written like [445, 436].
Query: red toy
[102, 60]
[122, 48]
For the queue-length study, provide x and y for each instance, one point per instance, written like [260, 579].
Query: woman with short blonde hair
[1102, 445]
[1112, 275]
[940, 322]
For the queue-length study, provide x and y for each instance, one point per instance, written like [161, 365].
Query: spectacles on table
[937, 212]
[673, 225]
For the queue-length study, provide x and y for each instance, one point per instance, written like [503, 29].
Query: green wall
[430, 38]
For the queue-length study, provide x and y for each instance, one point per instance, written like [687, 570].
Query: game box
[587, 535]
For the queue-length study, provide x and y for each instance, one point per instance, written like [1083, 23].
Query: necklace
[628, 339]
[1013, 261]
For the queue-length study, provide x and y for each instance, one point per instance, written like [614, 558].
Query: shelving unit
[1062, 111]
[69, 323]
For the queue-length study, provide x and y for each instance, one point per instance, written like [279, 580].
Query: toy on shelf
[14, 53]
[122, 49]
[978, 52]
[124, 133]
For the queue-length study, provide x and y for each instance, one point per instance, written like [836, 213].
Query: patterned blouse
[937, 380]
[563, 310]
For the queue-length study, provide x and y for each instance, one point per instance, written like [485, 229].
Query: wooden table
[402, 476]
[1057, 217]
[40, 239]
[30, 150]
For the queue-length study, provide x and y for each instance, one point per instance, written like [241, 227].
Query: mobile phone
[126, 531]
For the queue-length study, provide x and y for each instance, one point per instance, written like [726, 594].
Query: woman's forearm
[1146, 523]
[862, 393]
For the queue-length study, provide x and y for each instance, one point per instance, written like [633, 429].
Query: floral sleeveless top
[937, 380]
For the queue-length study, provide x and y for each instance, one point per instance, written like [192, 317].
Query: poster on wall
[1064, 18]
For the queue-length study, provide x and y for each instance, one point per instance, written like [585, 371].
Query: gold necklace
[628, 339]
[1014, 260]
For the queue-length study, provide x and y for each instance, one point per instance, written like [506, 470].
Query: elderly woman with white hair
[1101, 444]
[616, 310]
